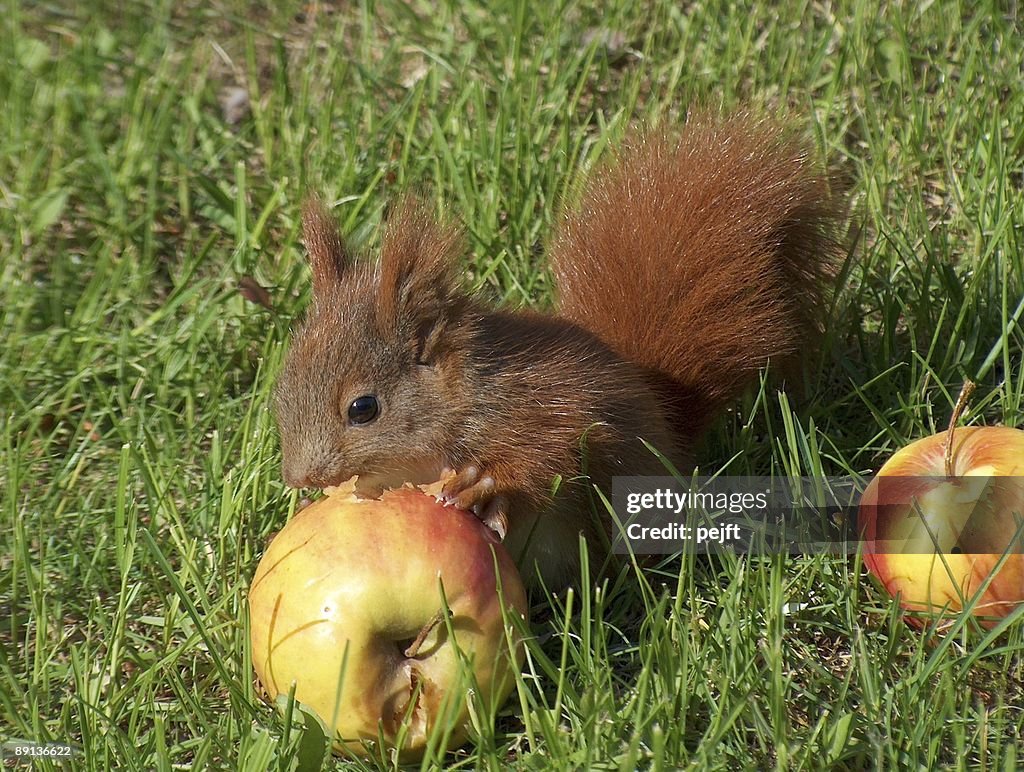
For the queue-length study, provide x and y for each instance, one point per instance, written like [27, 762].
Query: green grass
[140, 467]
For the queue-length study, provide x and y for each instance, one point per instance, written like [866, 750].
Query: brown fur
[687, 265]
[327, 256]
[720, 240]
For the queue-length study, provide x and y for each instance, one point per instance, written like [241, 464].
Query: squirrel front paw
[477, 493]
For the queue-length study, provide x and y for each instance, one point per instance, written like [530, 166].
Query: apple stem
[958, 409]
[414, 647]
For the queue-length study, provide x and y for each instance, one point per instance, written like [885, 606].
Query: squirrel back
[701, 257]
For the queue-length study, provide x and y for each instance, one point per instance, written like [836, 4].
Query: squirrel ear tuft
[327, 255]
[417, 277]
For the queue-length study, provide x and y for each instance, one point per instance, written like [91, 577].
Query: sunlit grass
[140, 476]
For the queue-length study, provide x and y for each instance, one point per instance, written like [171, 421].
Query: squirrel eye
[363, 409]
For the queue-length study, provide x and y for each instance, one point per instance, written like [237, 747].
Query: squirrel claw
[494, 515]
[477, 494]
[468, 489]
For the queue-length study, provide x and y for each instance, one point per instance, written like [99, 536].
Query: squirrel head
[374, 381]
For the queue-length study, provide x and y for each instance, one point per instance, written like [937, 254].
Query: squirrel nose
[295, 481]
[295, 476]
[299, 477]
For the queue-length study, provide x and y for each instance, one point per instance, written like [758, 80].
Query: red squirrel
[688, 263]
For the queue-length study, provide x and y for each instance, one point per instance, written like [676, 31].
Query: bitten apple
[347, 605]
[916, 509]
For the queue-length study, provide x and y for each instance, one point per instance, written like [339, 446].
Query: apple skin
[363, 576]
[898, 549]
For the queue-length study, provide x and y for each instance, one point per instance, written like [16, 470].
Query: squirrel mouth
[374, 483]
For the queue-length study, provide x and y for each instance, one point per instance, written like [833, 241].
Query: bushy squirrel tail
[702, 257]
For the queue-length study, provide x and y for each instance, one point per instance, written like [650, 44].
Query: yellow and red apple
[347, 606]
[933, 535]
